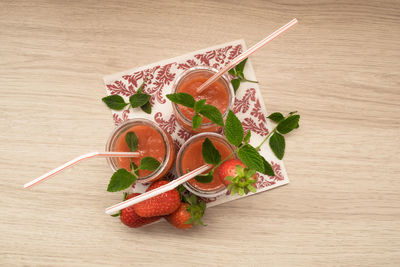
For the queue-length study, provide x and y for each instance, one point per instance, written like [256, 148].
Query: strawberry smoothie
[190, 157]
[152, 142]
[219, 94]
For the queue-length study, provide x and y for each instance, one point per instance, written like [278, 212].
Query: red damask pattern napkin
[248, 105]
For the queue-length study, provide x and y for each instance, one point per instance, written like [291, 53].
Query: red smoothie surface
[150, 144]
[192, 158]
[216, 94]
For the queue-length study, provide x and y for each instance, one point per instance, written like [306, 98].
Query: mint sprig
[123, 178]
[237, 73]
[200, 108]
[139, 99]
[249, 155]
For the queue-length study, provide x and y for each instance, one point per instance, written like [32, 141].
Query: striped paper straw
[243, 56]
[77, 160]
[159, 190]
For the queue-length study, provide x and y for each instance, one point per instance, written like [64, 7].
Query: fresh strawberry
[188, 214]
[237, 177]
[163, 204]
[130, 218]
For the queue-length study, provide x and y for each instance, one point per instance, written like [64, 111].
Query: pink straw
[246, 54]
[77, 160]
[159, 190]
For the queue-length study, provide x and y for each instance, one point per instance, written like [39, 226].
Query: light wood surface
[339, 68]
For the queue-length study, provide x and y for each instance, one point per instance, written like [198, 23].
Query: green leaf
[276, 117]
[140, 89]
[146, 107]
[213, 114]
[247, 137]
[204, 178]
[239, 170]
[182, 99]
[199, 105]
[132, 141]
[293, 112]
[116, 215]
[235, 84]
[251, 158]
[289, 124]
[120, 180]
[267, 168]
[210, 153]
[240, 67]
[233, 129]
[196, 121]
[252, 188]
[114, 102]
[232, 72]
[139, 100]
[149, 163]
[277, 144]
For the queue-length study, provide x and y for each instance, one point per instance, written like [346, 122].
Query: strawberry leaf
[120, 180]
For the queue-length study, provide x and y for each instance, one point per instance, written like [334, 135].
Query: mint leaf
[277, 144]
[289, 124]
[235, 83]
[247, 137]
[115, 102]
[139, 100]
[233, 129]
[267, 168]
[134, 168]
[199, 105]
[251, 158]
[132, 141]
[120, 180]
[196, 121]
[240, 67]
[276, 117]
[149, 163]
[204, 178]
[213, 114]
[232, 72]
[146, 107]
[182, 99]
[210, 153]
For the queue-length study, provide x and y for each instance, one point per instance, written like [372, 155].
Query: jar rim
[187, 185]
[121, 128]
[225, 79]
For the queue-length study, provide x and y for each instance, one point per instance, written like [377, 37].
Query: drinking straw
[77, 160]
[246, 54]
[159, 190]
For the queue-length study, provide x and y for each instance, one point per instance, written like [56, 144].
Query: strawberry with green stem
[189, 214]
[242, 180]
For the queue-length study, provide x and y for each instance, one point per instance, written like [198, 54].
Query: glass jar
[152, 142]
[190, 157]
[219, 94]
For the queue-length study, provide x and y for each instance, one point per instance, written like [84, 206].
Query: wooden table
[339, 68]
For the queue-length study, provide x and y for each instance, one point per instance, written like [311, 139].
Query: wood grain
[339, 68]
